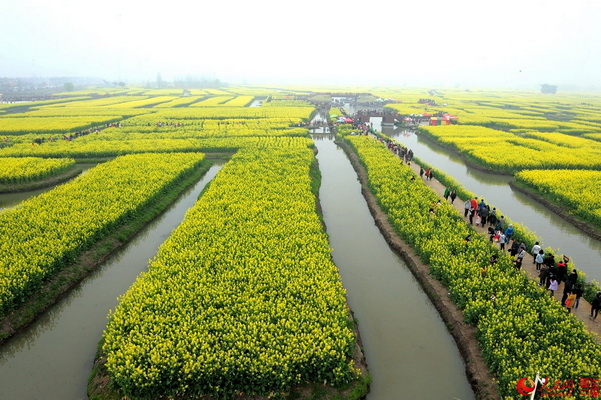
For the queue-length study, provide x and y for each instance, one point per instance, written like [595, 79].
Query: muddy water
[53, 358]
[409, 351]
[552, 229]
[8, 200]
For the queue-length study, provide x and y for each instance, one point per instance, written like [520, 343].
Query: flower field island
[47, 233]
[27, 169]
[577, 191]
[521, 329]
[242, 299]
[506, 152]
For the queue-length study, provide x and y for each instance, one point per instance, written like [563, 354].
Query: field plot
[103, 101]
[48, 231]
[507, 152]
[10, 125]
[48, 111]
[111, 148]
[152, 101]
[20, 170]
[213, 101]
[239, 101]
[33, 104]
[243, 297]
[179, 102]
[578, 191]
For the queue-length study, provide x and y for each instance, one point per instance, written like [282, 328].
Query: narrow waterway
[552, 229]
[409, 352]
[53, 358]
[8, 200]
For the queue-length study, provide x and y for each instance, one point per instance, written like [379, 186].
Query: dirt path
[584, 309]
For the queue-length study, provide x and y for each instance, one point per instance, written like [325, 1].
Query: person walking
[481, 205]
[549, 260]
[553, 284]
[467, 205]
[567, 290]
[573, 277]
[474, 203]
[578, 292]
[539, 259]
[509, 231]
[484, 214]
[535, 249]
[502, 241]
[571, 300]
[447, 193]
[519, 258]
[562, 271]
[453, 195]
[543, 275]
[501, 222]
[595, 306]
[492, 217]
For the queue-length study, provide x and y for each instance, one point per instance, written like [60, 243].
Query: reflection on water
[405, 341]
[53, 358]
[323, 136]
[8, 200]
[321, 130]
[554, 231]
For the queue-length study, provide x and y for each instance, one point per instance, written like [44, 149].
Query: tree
[69, 86]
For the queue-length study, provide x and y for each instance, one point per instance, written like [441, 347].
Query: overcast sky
[509, 43]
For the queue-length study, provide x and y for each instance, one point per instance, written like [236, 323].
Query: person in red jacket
[475, 203]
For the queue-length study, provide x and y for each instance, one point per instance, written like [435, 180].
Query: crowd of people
[68, 137]
[161, 124]
[38, 141]
[404, 153]
[551, 273]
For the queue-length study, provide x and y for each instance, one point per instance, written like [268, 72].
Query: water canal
[8, 200]
[409, 352]
[53, 358]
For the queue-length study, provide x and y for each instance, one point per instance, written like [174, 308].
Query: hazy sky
[507, 43]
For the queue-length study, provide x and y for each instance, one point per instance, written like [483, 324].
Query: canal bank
[409, 351]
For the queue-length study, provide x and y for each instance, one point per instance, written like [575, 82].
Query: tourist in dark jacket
[573, 277]
[543, 275]
[578, 292]
[595, 306]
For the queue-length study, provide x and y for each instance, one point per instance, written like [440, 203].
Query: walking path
[584, 309]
